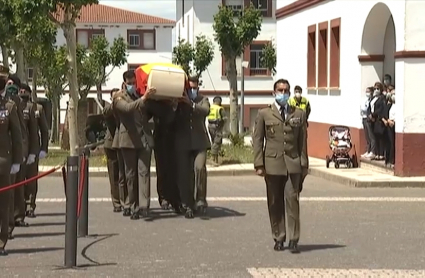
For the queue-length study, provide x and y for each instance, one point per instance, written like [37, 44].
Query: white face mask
[368, 95]
[376, 93]
[393, 98]
[298, 95]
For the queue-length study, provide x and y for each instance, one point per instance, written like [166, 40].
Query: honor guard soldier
[10, 155]
[280, 154]
[119, 194]
[216, 120]
[191, 145]
[31, 188]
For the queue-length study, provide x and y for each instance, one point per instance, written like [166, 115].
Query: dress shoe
[279, 246]
[144, 213]
[118, 209]
[21, 224]
[189, 214]
[177, 208]
[202, 210]
[30, 214]
[165, 205]
[126, 212]
[135, 216]
[293, 247]
[10, 237]
[3, 252]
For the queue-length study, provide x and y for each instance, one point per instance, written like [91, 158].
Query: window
[334, 65]
[323, 56]
[255, 63]
[264, 6]
[30, 74]
[261, 5]
[141, 39]
[311, 57]
[237, 10]
[85, 36]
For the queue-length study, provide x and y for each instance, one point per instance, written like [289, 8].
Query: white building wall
[292, 55]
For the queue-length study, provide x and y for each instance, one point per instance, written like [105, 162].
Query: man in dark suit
[192, 143]
[118, 192]
[283, 156]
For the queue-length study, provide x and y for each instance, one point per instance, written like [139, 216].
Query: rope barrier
[81, 184]
[33, 178]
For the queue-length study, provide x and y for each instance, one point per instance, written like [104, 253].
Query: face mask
[386, 82]
[393, 98]
[11, 90]
[131, 89]
[25, 97]
[368, 95]
[388, 96]
[376, 93]
[282, 99]
[298, 95]
[193, 93]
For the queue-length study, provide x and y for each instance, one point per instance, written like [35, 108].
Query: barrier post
[83, 220]
[71, 212]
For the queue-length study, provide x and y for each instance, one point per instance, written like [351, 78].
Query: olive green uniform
[31, 188]
[10, 153]
[115, 163]
[191, 145]
[31, 145]
[283, 156]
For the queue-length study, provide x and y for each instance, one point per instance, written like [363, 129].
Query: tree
[268, 58]
[234, 34]
[194, 59]
[70, 10]
[53, 77]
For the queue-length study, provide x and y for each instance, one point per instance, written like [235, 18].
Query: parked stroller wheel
[336, 165]
[328, 161]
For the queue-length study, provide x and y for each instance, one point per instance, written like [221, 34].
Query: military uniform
[191, 144]
[10, 154]
[31, 188]
[215, 128]
[283, 156]
[136, 144]
[116, 179]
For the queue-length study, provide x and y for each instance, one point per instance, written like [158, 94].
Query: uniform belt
[214, 122]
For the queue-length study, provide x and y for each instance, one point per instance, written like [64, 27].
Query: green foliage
[233, 34]
[53, 69]
[237, 140]
[183, 54]
[203, 54]
[268, 59]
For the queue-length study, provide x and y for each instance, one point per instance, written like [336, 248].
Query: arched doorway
[378, 46]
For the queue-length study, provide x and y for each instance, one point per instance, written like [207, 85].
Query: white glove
[31, 159]
[15, 168]
[42, 154]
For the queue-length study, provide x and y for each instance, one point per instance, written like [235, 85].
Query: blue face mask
[282, 99]
[193, 93]
[131, 90]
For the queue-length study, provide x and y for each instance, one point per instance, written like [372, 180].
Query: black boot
[189, 213]
[293, 247]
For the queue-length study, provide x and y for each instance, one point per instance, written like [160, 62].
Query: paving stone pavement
[346, 232]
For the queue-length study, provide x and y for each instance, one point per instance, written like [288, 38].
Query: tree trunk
[54, 136]
[5, 55]
[83, 111]
[232, 77]
[99, 97]
[34, 84]
[20, 64]
[69, 33]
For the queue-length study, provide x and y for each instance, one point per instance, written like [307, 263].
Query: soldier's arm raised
[44, 130]
[107, 110]
[16, 135]
[258, 141]
[302, 141]
[128, 107]
[33, 141]
[203, 107]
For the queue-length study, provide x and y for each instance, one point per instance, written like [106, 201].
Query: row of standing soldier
[180, 142]
[24, 137]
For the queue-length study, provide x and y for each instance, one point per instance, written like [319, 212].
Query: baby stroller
[340, 145]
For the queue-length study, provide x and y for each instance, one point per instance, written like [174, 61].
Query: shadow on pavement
[39, 235]
[33, 250]
[52, 214]
[316, 247]
[47, 224]
[94, 263]
[219, 212]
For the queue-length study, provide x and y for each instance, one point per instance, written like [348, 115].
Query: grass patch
[228, 155]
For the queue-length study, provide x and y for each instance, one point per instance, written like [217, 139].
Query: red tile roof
[106, 14]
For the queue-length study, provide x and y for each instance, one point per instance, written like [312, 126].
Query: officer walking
[283, 156]
[216, 120]
[135, 142]
[31, 188]
[191, 145]
[10, 155]
[118, 188]
[299, 101]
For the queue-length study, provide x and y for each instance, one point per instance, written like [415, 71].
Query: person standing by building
[367, 126]
[191, 145]
[216, 120]
[283, 156]
[118, 194]
[10, 155]
[31, 188]
[299, 101]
